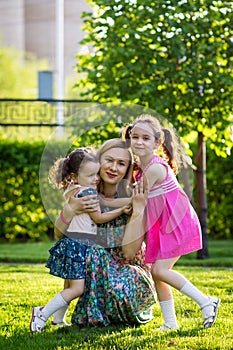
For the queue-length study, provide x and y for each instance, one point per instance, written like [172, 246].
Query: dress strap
[154, 159]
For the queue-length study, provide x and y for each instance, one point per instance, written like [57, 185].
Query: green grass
[26, 285]
[220, 254]
[25, 252]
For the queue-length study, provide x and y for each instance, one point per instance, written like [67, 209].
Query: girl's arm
[63, 220]
[155, 173]
[115, 202]
[136, 227]
[100, 218]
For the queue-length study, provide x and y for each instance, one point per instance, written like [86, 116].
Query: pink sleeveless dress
[172, 223]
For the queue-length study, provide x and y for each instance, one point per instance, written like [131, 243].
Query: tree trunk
[201, 194]
[185, 171]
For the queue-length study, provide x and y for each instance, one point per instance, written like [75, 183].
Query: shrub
[22, 214]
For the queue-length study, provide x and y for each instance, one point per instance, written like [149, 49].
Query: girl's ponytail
[171, 149]
[126, 134]
[58, 172]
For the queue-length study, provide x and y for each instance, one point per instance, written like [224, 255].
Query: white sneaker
[38, 320]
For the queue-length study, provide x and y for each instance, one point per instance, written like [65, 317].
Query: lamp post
[60, 64]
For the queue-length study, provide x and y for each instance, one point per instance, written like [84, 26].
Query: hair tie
[68, 159]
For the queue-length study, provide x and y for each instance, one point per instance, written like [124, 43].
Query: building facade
[30, 25]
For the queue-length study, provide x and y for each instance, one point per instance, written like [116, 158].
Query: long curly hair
[64, 171]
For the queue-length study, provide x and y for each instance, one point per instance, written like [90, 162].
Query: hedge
[22, 214]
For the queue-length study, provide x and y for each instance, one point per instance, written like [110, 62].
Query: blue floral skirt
[68, 259]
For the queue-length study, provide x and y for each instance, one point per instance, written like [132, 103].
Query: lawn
[26, 285]
[220, 254]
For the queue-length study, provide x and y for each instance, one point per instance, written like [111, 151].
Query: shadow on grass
[112, 337]
[59, 338]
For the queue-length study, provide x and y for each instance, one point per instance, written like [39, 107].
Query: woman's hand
[87, 204]
[139, 198]
[74, 206]
[136, 227]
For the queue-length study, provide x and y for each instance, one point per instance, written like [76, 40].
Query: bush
[22, 214]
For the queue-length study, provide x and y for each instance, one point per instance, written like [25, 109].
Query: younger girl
[173, 228]
[77, 175]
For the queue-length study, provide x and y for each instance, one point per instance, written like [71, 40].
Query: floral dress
[117, 290]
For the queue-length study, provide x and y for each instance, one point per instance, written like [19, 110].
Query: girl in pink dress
[172, 225]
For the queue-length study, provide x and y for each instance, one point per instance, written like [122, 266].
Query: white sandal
[38, 320]
[209, 318]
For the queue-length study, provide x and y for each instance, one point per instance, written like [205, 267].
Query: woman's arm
[136, 227]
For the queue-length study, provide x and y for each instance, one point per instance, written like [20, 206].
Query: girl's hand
[127, 209]
[86, 204]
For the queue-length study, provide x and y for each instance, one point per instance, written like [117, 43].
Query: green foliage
[18, 75]
[28, 286]
[97, 134]
[172, 56]
[219, 195]
[22, 214]
[219, 192]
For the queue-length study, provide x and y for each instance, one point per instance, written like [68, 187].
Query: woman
[117, 290]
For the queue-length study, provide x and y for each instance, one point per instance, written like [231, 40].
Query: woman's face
[113, 165]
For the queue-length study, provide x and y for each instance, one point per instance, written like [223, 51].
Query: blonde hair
[171, 148]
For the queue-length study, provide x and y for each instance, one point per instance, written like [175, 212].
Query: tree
[172, 56]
